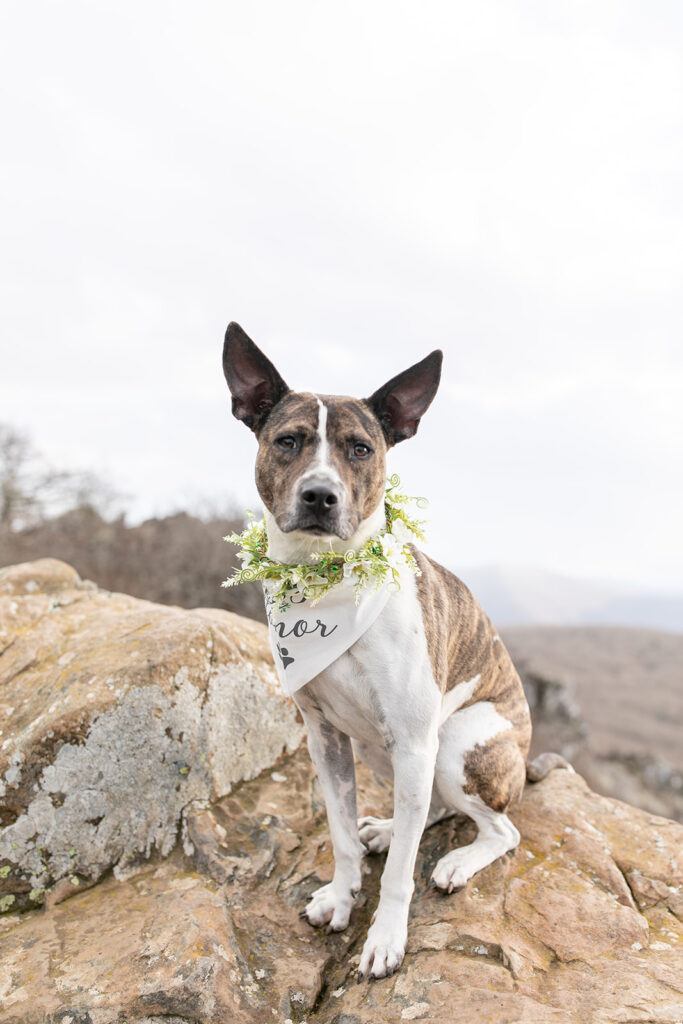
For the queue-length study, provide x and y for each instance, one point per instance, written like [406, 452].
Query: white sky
[358, 184]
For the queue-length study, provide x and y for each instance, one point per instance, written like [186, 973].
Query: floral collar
[378, 561]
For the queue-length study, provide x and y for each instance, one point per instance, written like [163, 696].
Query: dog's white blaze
[322, 469]
[455, 698]
[323, 444]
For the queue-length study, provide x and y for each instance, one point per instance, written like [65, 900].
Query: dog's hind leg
[375, 833]
[376, 757]
[480, 770]
[496, 836]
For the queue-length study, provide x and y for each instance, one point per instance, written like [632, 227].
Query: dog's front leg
[413, 778]
[332, 755]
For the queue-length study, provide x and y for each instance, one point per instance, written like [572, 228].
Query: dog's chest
[372, 690]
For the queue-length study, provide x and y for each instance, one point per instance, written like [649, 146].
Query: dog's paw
[375, 833]
[328, 906]
[383, 951]
[455, 869]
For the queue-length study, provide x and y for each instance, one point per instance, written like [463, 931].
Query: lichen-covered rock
[115, 715]
[124, 720]
[582, 925]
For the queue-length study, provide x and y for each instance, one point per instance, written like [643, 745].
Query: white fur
[456, 697]
[323, 458]
[297, 545]
[379, 675]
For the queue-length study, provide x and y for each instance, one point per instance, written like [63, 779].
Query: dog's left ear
[254, 383]
[401, 403]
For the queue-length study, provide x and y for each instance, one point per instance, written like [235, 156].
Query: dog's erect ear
[401, 403]
[254, 383]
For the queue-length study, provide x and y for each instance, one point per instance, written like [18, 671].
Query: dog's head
[321, 462]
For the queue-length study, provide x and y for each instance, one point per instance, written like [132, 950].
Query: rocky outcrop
[116, 714]
[583, 923]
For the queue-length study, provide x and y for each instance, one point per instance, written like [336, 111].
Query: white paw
[454, 870]
[457, 867]
[383, 951]
[329, 906]
[451, 872]
[375, 833]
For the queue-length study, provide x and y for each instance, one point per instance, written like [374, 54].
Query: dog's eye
[360, 450]
[288, 443]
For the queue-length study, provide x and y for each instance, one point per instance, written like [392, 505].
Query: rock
[115, 715]
[581, 924]
[160, 942]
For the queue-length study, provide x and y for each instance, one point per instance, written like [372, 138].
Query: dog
[427, 696]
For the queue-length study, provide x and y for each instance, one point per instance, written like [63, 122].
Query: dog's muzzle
[318, 506]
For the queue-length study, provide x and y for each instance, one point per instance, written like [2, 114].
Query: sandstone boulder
[582, 923]
[115, 715]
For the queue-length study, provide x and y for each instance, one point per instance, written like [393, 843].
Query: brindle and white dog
[429, 695]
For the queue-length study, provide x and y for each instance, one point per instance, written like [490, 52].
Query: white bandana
[306, 639]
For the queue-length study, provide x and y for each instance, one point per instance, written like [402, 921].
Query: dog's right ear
[254, 383]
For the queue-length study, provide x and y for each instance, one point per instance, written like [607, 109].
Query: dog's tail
[544, 763]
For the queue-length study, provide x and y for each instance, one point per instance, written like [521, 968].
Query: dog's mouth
[317, 526]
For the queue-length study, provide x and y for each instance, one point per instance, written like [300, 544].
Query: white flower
[392, 550]
[401, 532]
[313, 579]
[354, 570]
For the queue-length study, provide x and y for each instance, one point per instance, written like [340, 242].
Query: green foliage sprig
[378, 561]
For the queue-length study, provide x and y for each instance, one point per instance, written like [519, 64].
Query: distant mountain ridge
[523, 596]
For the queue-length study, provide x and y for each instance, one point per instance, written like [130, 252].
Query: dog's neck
[297, 545]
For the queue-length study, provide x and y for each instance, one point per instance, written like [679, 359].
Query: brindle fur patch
[348, 421]
[463, 644]
[496, 771]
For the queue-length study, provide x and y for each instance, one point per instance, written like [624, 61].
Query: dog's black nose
[319, 499]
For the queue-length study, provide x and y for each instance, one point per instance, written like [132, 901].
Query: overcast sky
[358, 184]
